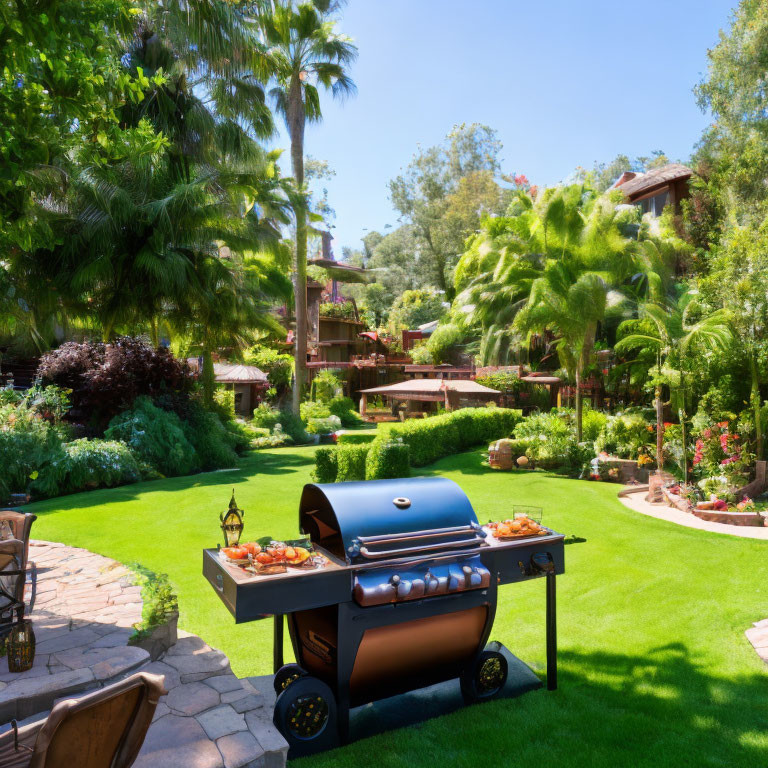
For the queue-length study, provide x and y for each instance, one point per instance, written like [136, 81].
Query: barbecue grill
[407, 600]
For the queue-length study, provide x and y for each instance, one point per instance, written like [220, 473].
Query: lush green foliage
[98, 464]
[344, 408]
[350, 461]
[448, 433]
[388, 459]
[344, 310]
[326, 386]
[414, 308]
[626, 435]
[277, 366]
[323, 425]
[159, 601]
[355, 438]
[326, 465]
[156, 436]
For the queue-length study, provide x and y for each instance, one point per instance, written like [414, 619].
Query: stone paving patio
[84, 613]
[757, 634]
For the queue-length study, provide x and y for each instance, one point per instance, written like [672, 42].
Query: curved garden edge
[629, 497]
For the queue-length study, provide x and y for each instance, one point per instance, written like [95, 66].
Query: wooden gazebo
[452, 393]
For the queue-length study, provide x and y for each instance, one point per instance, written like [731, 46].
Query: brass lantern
[21, 647]
[232, 523]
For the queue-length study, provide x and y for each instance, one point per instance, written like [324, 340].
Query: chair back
[21, 524]
[104, 729]
[12, 578]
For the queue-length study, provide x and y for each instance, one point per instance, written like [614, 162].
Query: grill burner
[407, 600]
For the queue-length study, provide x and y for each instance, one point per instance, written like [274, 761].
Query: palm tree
[676, 330]
[557, 264]
[307, 52]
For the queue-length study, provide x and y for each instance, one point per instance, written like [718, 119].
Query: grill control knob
[467, 570]
[394, 580]
[453, 583]
[404, 588]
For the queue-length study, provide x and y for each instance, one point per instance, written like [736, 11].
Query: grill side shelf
[249, 598]
[512, 560]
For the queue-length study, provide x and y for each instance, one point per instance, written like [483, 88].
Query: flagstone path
[85, 609]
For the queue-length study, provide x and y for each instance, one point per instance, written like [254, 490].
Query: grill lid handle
[401, 502]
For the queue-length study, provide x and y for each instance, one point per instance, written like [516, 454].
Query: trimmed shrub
[350, 460]
[355, 438]
[155, 436]
[432, 438]
[326, 465]
[99, 464]
[386, 460]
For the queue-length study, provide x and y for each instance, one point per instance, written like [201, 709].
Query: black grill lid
[336, 515]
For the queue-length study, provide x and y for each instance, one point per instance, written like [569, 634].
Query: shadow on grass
[664, 703]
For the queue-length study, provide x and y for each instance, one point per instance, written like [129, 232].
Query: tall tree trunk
[209, 377]
[659, 429]
[296, 122]
[578, 403]
[754, 397]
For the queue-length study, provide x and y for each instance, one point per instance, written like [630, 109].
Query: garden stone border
[631, 497]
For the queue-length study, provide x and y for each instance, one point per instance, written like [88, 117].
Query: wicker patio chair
[20, 524]
[104, 729]
[14, 568]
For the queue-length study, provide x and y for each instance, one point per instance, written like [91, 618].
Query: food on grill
[296, 555]
[235, 553]
[253, 548]
[518, 528]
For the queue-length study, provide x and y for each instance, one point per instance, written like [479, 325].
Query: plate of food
[521, 527]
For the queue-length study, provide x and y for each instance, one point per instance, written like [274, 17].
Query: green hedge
[387, 460]
[437, 436]
[326, 465]
[350, 461]
[355, 438]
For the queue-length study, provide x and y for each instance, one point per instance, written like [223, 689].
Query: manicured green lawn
[654, 666]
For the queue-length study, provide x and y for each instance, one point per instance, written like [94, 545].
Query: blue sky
[564, 83]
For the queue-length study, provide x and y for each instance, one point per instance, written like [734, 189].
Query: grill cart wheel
[305, 713]
[287, 674]
[484, 677]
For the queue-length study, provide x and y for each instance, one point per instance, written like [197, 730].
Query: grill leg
[551, 633]
[277, 642]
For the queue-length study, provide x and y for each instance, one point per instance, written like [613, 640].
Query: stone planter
[161, 638]
[729, 518]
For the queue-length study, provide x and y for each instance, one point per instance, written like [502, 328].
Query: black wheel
[287, 674]
[305, 713]
[484, 677]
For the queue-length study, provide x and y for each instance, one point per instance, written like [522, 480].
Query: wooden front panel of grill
[399, 657]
